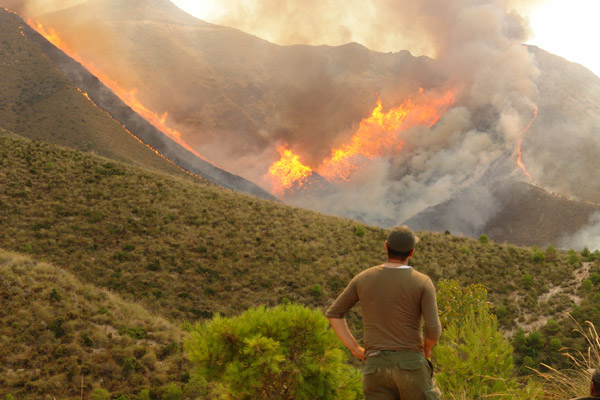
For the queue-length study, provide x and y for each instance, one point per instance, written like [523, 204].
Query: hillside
[76, 127]
[60, 337]
[231, 94]
[565, 133]
[39, 102]
[235, 97]
[188, 251]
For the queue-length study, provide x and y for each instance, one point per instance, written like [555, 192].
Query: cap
[402, 239]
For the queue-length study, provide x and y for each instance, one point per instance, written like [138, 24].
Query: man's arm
[340, 327]
[433, 328]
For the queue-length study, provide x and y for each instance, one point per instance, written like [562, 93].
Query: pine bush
[285, 352]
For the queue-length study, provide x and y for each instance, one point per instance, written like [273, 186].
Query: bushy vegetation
[59, 337]
[574, 381]
[285, 352]
[189, 250]
[475, 359]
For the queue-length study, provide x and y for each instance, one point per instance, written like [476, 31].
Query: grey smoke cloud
[479, 46]
[588, 236]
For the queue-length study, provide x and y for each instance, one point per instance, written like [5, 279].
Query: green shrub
[586, 285]
[475, 359]
[500, 311]
[285, 352]
[359, 230]
[573, 257]
[316, 291]
[144, 395]
[585, 253]
[172, 392]
[538, 257]
[527, 281]
[551, 327]
[483, 239]
[100, 394]
[550, 254]
[555, 344]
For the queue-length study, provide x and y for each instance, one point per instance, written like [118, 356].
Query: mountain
[564, 200]
[235, 97]
[39, 102]
[566, 130]
[231, 94]
[36, 91]
[518, 213]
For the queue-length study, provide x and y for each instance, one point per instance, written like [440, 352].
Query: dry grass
[574, 381]
[56, 332]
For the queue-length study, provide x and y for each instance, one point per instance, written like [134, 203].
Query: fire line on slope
[140, 140]
[128, 97]
[519, 152]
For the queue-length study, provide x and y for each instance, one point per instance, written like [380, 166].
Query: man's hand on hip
[340, 327]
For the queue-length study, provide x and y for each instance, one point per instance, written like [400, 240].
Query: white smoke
[588, 236]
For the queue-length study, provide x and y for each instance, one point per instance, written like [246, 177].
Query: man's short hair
[397, 255]
[402, 239]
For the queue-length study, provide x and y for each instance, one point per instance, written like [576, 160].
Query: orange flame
[379, 135]
[519, 153]
[128, 97]
[287, 172]
[140, 140]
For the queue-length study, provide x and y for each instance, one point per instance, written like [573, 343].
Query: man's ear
[386, 246]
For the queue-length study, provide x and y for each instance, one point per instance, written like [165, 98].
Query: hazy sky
[568, 28]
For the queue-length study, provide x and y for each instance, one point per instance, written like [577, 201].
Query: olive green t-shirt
[394, 302]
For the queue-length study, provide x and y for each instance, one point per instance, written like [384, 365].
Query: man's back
[392, 303]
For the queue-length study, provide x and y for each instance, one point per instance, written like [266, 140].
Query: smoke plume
[588, 236]
[478, 45]
[381, 25]
[33, 8]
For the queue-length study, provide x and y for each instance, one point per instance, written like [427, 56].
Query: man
[594, 387]
[394, 300]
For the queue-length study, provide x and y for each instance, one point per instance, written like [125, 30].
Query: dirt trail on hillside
[534, 321]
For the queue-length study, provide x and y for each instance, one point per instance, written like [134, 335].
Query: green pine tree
[286, 352]
[473, 357]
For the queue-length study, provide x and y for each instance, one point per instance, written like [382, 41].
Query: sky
[576, 37]
[567, 28]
